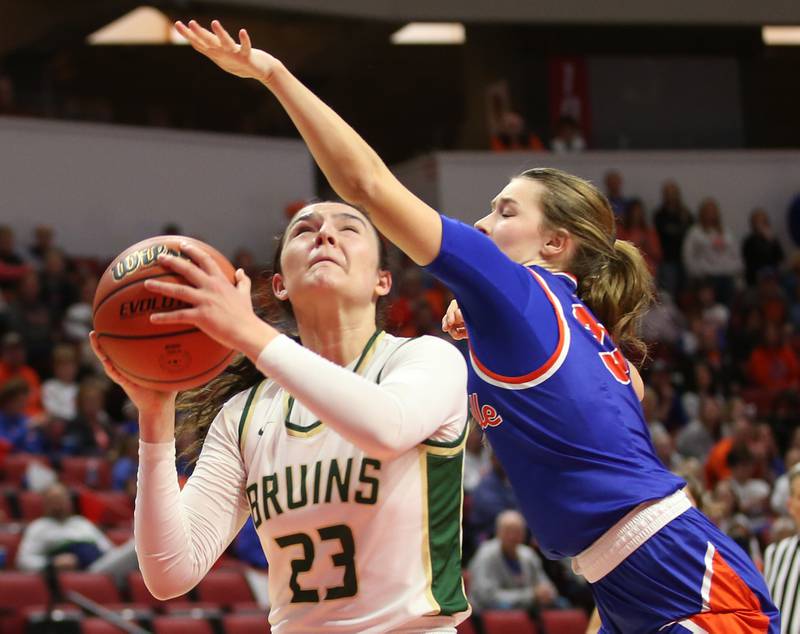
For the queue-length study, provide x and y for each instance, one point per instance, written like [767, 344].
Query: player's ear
[384, 284]
[557, 243]
[278, 287]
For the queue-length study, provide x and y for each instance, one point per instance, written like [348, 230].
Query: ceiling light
[144, 25]
[430, 33]
[781, 35]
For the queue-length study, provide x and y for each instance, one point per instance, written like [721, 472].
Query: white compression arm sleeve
[180, 534]
[422, 389]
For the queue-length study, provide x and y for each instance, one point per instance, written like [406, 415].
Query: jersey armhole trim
[548, 368]
[449, 444]
[247, 413]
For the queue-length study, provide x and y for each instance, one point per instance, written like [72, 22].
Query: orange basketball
[157, 356]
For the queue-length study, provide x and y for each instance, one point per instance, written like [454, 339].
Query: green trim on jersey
[445, 499]
[311, 430]
[449, 444]
[247, 413]
[299, 430]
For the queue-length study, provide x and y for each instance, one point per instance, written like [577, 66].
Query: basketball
[157, 356]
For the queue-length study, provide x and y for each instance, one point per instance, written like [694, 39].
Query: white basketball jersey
[354, 544]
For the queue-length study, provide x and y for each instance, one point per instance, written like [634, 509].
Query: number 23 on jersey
[613, 360]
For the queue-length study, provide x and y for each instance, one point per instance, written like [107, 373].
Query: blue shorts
[688, 577]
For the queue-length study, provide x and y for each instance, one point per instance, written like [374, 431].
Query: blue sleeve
[511, 315]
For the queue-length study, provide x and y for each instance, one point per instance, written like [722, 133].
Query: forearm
[408, 406]
[356, 172]
[179, 535]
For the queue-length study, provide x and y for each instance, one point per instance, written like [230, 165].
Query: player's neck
[337, 335]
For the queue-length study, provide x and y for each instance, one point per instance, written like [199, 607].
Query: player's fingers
[243, 282]
[224, 37]
[184, 316]
[108, 365]
[184, 293]
[204, 35]
[96, 347]
[193, 40]
[193, 273]
[244, 41]
[202, 259]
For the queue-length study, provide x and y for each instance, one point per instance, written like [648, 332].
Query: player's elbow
[364, 184]
[165, 586]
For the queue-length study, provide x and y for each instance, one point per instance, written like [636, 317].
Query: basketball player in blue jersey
[550, 301]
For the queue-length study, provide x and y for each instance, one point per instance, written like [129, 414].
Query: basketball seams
[174, 333]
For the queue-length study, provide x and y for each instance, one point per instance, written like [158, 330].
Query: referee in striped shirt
[782, 565]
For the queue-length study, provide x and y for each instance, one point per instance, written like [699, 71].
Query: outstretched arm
[353, 169]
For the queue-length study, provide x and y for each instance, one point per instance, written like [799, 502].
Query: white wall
[105, 187]
[739, 180]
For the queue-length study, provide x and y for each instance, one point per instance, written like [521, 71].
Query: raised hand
[239, 59]
[453, 322]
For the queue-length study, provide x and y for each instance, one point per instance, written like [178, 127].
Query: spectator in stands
[77, 323]
[635, 228]
[12, 266]
[43, 241]
[711, 310]
[672, 221]
[760, 249]
[476, 458]
[720, 505]
[512, 134]
[60, 393]
[774, 364]
[490, 497]
[619, 202]
[57, 290]
[782, 563]
[743, 433]
[783, 417]
[90, 432]
[508, 130]
[17, 428]
[710, 251]
[664, 444]
[568, 137]
[664, 322]
[123, 471]
[699, 436]
[780, 490]
[752, 494]
[29, 316]
[669, 410]
[60, 539]
[507, 574]
[701, 382]
[770, 297]
[13, 365]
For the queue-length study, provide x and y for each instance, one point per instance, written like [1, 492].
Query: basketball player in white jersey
[346, 450]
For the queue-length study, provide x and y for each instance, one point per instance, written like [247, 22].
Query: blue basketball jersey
[553, 393]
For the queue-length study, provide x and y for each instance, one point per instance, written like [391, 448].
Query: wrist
[255, 336]
[273, 74]
[157, 422]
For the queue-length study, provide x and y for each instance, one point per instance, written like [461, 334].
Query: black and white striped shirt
[782, 572]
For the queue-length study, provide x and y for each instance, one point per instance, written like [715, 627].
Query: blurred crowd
[721, 397]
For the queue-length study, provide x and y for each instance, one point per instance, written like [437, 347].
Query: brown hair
[613, 278]
[197, 408]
